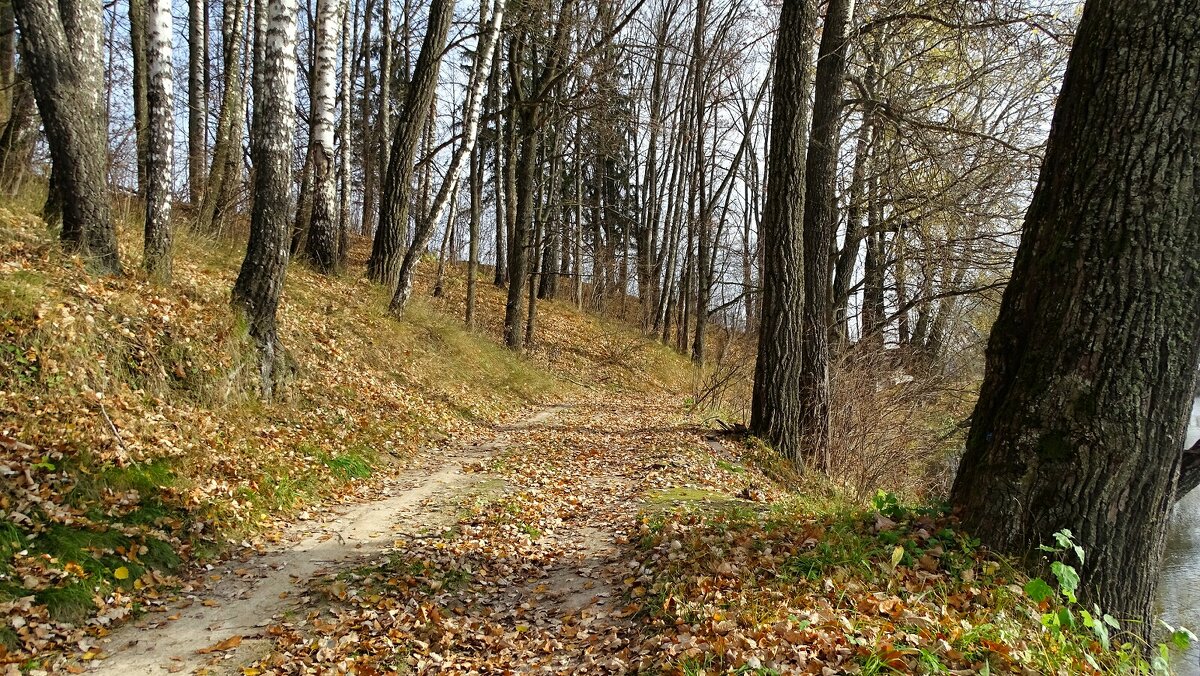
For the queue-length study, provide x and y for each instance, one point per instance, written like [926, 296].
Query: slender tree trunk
[138, 15]
[777, 411]
[19, 138]
[848, 255]
[160, 143]
[473, 240]
[386, 252]
[1090, 366]
[260, 280]
[197, 97]
[61, 44]
[321, 246]
[344, 177]
[227, 148]
[499, 151]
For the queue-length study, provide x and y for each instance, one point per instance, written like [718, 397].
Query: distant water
[1179, 586]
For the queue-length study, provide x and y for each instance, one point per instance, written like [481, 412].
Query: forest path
[222, 619]
[540, 577]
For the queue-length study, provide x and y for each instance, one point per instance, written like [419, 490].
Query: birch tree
[160, 142]
[321, 246]
[260, 280]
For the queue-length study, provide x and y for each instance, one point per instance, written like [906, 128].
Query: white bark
[322, 233]
[159, 161]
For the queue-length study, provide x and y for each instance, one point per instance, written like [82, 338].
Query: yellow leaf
[897, 554]
[121, 573]
[250, 671]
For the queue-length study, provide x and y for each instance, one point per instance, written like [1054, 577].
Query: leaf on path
[228, 644]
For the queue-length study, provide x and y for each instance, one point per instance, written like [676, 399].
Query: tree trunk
[820, 224]
[61, 44]
[197, 98]
[321, 246]
[386, 251]
[777, 411]
[475, 90]
[476, 181]
[227, 149]
[138, 15]
[160, 142]
[19, 138]
[260, 281]
[1090, 366]
[344, 177]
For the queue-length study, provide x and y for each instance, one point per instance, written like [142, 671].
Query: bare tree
[260, 280]
[160, 142]
[61, 43]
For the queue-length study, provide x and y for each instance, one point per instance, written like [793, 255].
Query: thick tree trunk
[197, 97]
[260, 281]
[387, 249]
[61, 44]
[321, 246]
[1090, 365]
[160, 142]
[820, 224]
[776, 410]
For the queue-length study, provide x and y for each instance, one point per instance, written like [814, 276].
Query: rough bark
[776, 409]
[386, 251]
[820, 224]
[160, 142]
[61, 44]
[260, 280]
[1080, 419]
[321, 245]
[471, 114]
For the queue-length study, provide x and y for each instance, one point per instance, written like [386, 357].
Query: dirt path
[538, 578]
[240, 599]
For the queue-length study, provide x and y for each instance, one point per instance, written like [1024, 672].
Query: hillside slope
[131, 442]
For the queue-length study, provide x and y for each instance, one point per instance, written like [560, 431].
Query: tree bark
[197, 98]
[160, 142]
[260, 280]
[776, 409]
[321, 246]
[138, 44]
[227, 149]
[1090, 365]
[386, 252]
[425, 224]
[19, 138]
[820, 224]
[61, 44]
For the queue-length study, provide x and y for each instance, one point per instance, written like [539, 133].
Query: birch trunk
[321, 246]
[260, 280]
[160, 142]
